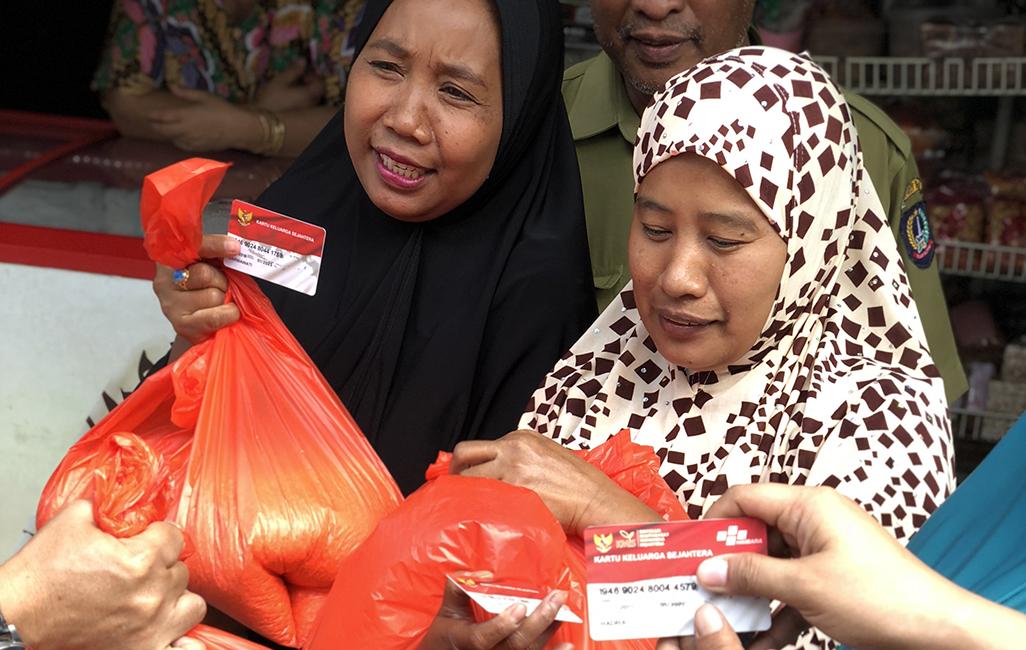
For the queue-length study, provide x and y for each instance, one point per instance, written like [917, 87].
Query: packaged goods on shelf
[980, 375]
[1002, 397]
[993, 39]
[975, 328]
[1006, 222]
[956, 209]
[906, 18]
[1006, 185]
[1013, 364]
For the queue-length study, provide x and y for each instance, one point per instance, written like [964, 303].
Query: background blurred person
[209, 75]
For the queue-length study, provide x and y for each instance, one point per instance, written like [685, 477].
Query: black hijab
[438, 332]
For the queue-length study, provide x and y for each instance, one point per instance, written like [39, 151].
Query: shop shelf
[881, 75]
[982, 261]
[981, 426]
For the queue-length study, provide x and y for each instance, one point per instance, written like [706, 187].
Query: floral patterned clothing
[193, 43]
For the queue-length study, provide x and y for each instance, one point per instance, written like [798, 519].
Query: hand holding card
[495, 598]
[641, 578]
[521, 618]
[275, 247]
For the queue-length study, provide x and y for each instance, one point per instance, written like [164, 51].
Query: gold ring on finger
[181, 279]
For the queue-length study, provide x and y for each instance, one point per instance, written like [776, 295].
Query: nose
[656, 10]
[407, 117]
[686, 274]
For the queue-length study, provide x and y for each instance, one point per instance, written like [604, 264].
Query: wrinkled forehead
[768, 117]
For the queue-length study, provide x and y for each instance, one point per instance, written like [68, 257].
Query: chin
[681, 358]
[649, 79]
[646, 83]
[693, 360]
[395, 207]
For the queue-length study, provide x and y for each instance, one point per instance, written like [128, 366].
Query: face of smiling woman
[705, 261]
[423, 113]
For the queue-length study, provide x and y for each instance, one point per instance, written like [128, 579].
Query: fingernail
[232, 247]
[516, 612]
[707, 621]
[556, 599]
[713, 573]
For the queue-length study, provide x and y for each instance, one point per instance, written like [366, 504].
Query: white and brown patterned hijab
[840, 389]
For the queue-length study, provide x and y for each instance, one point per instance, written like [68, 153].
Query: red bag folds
[269, 476]
[389, 590]
[131, 489]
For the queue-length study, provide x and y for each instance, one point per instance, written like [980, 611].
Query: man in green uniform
[645, 42]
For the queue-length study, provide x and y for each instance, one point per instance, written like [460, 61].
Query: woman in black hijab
[438, 314]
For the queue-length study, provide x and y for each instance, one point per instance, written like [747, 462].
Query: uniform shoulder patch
[916, 186]
[916, 235]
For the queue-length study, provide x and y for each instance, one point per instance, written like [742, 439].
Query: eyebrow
[729, 219]
[454, 70]
[392, 47]
[651, 204]
[460, 71]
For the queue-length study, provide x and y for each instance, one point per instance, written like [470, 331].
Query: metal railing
[982, 261]
[982, 426]
[882, 75]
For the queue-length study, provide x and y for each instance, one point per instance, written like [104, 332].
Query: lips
[682, 326]
[411, 172]
[658, 47]
[684, 320]
[400, 172]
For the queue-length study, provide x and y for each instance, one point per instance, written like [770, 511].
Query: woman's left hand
[577, 493]
[712, 632]
[454, 627]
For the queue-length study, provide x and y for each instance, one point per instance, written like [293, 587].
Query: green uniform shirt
[604, 127]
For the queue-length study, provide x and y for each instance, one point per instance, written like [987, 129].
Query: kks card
[641, 578]
[275, 247]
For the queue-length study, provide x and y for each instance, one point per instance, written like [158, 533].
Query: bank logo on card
[603, 543]
[736, 536]
[276, 248]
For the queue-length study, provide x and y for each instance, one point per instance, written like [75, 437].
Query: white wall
[64, 336]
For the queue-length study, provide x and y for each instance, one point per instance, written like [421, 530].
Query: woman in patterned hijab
[769, 334]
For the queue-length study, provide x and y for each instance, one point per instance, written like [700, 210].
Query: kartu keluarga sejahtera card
[275, 247]
[641, 577]
[494, 597]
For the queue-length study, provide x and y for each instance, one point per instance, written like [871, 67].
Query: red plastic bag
[269, 476]
[635, 468]
[131, 489]
[389, 591]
